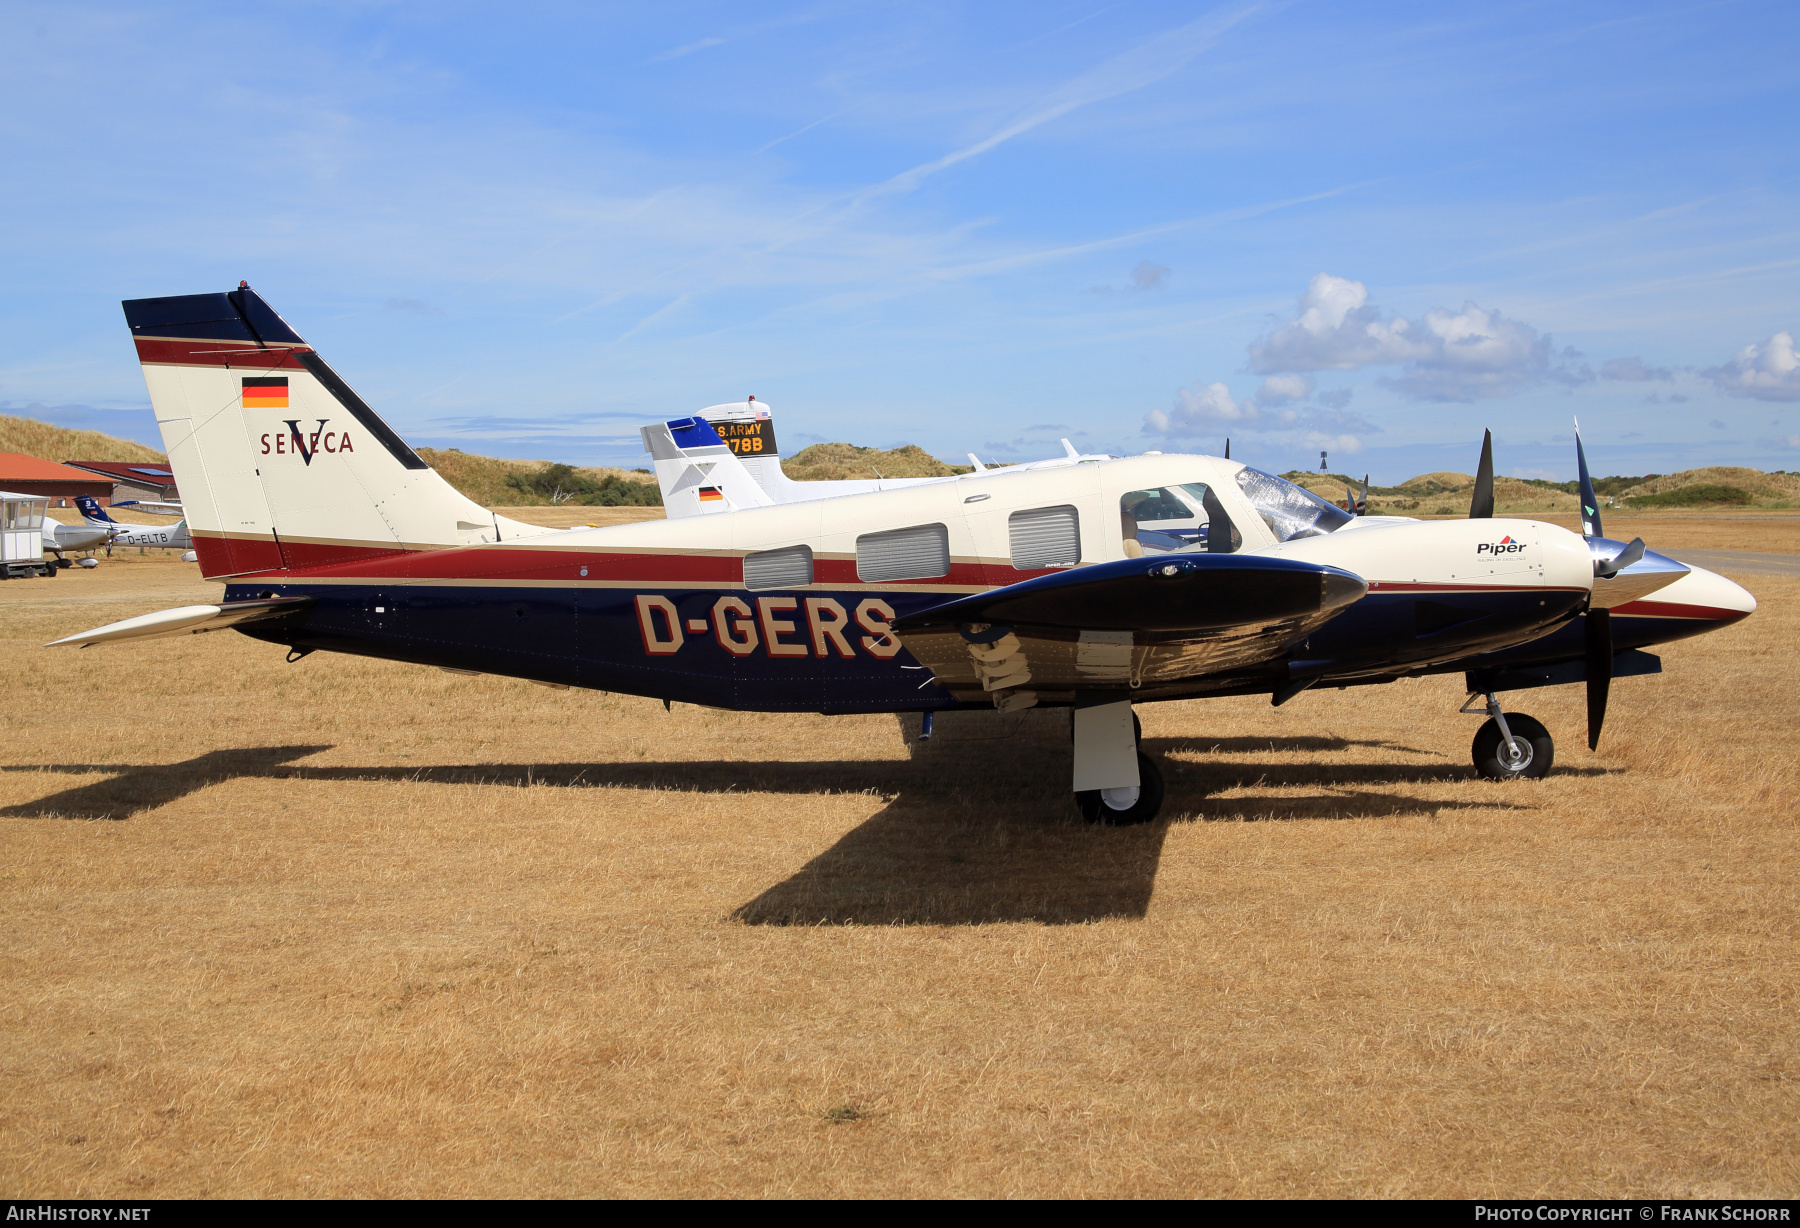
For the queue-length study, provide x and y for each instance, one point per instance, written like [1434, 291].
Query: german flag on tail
[265, 392]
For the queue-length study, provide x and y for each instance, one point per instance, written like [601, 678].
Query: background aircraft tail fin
[698, 471]
[91, 511]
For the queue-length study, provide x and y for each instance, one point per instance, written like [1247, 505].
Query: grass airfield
[349, 928]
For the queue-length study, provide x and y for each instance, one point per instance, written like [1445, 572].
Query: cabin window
[1290, 511]
[789, 567]
[1045, 537]
[1188, 517]
[919, 553]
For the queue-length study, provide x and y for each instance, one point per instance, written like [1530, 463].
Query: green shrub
[1693, 496]
[561, 484]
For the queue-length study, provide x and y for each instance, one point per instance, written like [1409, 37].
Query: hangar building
[59, 483]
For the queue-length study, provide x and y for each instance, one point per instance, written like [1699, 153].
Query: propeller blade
[1590, 504]
[1362, 509]
[1620, 561]
[1599, 670]
[1481, 503]
[1227, 447]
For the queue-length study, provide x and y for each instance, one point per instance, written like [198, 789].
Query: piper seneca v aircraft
[1001, 590]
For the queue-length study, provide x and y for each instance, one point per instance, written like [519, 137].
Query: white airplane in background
[690, 455]
[998, 590]
[59, 537]
[160, 536]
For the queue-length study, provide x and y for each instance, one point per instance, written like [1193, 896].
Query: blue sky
[524, 229]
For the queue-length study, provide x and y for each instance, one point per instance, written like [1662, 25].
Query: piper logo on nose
[1505, 545]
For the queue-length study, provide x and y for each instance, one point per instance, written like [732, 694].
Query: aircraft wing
[186, 620]
[155, 509]
[1126, 623]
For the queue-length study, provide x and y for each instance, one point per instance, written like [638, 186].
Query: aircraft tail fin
[746, 430]
[281, 465]
[698, 471]
[92, 512]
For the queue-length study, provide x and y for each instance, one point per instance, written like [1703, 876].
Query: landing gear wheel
[63, 564]
[1528, 759]
[49, 571]
[1125, 807]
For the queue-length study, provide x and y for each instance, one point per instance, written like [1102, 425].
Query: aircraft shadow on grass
[967, 836]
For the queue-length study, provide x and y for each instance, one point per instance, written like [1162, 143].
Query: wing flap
[185, 620]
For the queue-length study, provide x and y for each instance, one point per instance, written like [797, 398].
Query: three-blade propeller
[1599, 622]
[1599, 646]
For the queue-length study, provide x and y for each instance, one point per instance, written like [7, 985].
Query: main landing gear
[1510, 745]
[1115, 782]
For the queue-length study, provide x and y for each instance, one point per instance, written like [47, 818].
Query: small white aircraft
[60, 537]
[1091, 583]
[162, 537]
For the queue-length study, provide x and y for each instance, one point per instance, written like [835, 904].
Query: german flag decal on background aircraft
[1090, 583]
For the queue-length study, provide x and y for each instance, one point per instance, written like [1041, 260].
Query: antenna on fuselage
[976, 461]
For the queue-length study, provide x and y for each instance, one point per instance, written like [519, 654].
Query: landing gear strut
[1510, 745]
[1115, 782]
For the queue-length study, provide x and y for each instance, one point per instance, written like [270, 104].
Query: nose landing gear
[1510, 745]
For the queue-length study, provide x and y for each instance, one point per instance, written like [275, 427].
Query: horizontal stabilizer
[186, 620]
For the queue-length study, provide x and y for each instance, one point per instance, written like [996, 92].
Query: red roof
[18, 467]
[144, 473]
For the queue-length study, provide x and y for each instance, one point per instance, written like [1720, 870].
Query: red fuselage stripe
[1674, 609]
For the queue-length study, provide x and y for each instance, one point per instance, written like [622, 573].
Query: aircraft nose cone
[1711, 591]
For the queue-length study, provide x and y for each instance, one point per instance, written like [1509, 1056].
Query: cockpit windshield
[1290, 511]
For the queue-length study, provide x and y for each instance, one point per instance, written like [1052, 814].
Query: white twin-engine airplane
[1091, 583]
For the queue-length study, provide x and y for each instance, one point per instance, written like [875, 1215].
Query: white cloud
[1200, 410]
[1211, 409]
[1335, 329]
[1348, 444]
[1461, 355]
[1284, 389]
[1767, 372]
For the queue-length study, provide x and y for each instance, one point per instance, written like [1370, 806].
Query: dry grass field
[352, 928]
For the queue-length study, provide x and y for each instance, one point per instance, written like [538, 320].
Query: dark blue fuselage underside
[593, 638]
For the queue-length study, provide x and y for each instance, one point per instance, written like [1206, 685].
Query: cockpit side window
[1290, 511]
[1164, 519]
